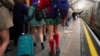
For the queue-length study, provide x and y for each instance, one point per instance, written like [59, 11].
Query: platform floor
[72, 42]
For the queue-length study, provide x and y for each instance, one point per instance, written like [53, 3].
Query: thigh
[33, 30]
[4, 34]
[50, 31]
[56, 29]
[40, 29]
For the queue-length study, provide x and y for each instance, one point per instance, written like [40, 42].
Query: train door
[97, 20]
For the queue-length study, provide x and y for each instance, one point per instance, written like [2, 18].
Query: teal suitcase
[25, 45]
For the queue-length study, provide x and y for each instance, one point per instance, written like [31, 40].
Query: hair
[19, 0]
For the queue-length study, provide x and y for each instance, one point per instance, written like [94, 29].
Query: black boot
[57, 50]
[52, 54]
[34, 44]
[42, 46]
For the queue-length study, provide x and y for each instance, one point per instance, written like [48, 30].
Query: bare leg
[4, 34]
[33, 32]
[44, 32]
[56, 29]
[51, 40]
[40, 34]
[56, 38]
[56, 35]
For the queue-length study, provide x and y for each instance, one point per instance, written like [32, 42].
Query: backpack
[38, 14]
[52, 10]
[62, 4]
[63, 1]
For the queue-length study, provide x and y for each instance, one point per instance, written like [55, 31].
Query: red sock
[56, 38]
[51, 44]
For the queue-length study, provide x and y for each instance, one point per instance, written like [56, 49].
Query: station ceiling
[79, 5]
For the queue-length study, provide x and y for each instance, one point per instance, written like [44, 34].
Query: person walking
[36, 24]
[52, 22]
[6, 22]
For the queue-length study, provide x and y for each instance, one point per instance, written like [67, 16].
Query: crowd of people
[41, 17]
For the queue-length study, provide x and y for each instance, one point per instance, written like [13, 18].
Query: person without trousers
[5, 23]
[36, 24]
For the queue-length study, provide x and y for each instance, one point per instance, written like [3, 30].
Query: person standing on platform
[19, 12]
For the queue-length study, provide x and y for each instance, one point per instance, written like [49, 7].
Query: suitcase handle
[26, 28]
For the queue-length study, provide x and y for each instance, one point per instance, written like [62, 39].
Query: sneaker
[42, 46]
[57, 50]
[51, 54]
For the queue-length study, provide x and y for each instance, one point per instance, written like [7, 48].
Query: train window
[97, 20]
[98, 10]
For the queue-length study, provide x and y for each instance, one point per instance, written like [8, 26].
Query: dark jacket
[18, 13]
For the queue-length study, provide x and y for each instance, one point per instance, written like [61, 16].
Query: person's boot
[57, 50]
[51, 53]
[42, 46]
[34, 44]
[56, 38]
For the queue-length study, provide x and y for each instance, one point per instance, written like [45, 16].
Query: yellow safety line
[90, 43]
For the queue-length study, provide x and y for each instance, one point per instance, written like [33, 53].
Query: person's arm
[25, 9]
[8, 3]
[30, 13]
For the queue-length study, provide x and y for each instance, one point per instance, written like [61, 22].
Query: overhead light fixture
[81, 5]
